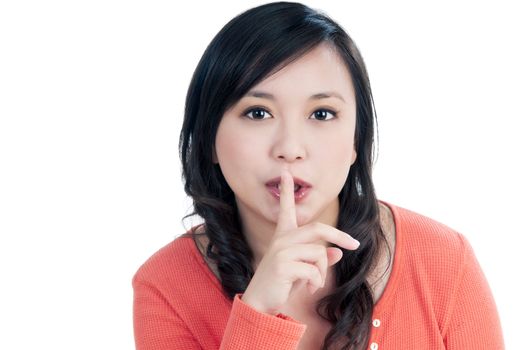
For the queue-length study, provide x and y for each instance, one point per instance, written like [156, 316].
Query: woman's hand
[293, 255]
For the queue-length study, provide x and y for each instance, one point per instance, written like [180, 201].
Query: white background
[91, 103]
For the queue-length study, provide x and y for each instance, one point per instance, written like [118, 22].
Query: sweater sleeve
[249, 328]
[473, 321]
[156, 324]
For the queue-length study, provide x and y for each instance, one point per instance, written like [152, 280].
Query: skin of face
[294, 132]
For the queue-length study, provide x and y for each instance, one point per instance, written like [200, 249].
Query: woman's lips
[300, 194]
[296, 180]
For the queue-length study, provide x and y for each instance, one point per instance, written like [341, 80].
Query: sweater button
[376, 323]
[374, 346]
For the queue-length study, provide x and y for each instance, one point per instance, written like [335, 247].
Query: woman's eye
[256, 113]
[322, 113]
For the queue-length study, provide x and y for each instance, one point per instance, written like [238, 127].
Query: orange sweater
[437, 297]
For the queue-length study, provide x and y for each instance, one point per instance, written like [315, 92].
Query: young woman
[276, 149]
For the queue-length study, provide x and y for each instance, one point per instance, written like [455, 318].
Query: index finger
[287, 215]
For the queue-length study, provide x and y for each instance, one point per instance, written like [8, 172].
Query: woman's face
[297, 128]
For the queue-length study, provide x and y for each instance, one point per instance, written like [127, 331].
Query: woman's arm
[158, 326]
[473, 321]
[249, 328]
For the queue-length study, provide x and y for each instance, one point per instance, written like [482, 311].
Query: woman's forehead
[321, 70]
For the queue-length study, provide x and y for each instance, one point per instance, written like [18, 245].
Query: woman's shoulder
[175, 276]
[429, 246]
[172, 259]
[422, 230]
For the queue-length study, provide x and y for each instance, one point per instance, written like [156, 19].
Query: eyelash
[252, 109]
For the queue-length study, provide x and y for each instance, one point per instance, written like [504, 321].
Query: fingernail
[357, 243]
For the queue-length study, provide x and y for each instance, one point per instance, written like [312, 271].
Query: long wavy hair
[252, 46]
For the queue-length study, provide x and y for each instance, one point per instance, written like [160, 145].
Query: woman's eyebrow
[317, 96]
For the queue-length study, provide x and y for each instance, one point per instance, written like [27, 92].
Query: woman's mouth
[301, 192]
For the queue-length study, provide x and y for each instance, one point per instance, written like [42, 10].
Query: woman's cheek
[238, 150]
[250, 145]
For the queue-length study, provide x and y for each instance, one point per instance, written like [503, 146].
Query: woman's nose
[289, 143]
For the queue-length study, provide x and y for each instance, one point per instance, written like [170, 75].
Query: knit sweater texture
[437, 297]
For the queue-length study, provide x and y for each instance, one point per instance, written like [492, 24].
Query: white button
[376, 322]
[374, 346]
